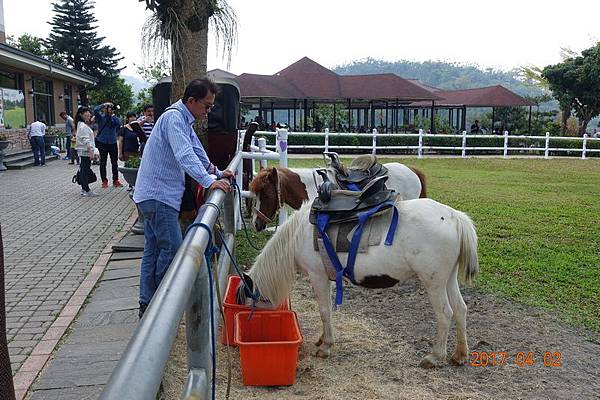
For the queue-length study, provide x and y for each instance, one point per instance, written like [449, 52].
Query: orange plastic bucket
[231, 308]
[269, 343]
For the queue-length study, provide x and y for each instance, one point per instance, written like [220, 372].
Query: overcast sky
[276, 33]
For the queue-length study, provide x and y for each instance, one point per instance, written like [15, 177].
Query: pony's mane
[274, 270]
[260, 180]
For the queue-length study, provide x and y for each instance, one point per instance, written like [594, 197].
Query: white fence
[554, 144]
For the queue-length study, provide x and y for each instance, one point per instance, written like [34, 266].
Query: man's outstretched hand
[222, 184]
[227, 174]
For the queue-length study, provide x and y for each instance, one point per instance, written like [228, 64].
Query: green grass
[538, 223]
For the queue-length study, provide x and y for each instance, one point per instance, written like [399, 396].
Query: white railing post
[584, 150]
[547, 145]
[239, 213]
[326, 139]
[505, 144]
[282, 147]
[253, 143]
[374, 141]
[464, 143]
[420, 150]
[262, 147]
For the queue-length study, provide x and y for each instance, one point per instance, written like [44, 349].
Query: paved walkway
[53, 241]
[81, 366]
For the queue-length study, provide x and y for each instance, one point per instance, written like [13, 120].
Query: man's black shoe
[143, 307]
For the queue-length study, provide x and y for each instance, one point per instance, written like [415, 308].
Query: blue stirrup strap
[348, 271]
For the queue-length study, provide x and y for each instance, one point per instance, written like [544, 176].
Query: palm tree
[182, 26]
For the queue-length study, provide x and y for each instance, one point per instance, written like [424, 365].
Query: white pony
[432, 242]
[278, 186]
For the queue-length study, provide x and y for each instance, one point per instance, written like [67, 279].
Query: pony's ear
[273, 176]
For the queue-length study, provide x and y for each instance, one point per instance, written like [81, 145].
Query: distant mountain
[137, 84]
[450, 76]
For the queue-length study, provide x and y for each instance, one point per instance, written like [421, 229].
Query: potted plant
[130, 169]
[4, 142]
[50, 139]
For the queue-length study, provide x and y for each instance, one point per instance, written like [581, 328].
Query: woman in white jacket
[85, 148]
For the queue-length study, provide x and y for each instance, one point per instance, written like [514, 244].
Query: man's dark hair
[131, 114]
[147, 106]
[199, 88]
[63, 113]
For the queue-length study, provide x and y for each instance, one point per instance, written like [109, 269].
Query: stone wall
[18, 139]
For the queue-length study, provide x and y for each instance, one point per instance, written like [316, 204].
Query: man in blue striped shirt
[172, 150]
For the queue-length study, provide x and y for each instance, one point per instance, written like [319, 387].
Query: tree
[182, 26]
[75, 42]
[151, 74]
[34, 45]
[576, 80]
[29, 43]
[117, 91]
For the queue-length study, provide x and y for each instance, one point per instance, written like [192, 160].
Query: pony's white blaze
[433, 242]
[254, 215]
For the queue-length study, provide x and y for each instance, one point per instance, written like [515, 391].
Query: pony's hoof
[429, 362]
[322, 354]
[458, 360]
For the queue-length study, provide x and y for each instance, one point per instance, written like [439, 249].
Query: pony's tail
[423, 180]
[468, 263]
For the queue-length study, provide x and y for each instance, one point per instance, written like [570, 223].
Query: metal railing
[185, 287]
[138, 374]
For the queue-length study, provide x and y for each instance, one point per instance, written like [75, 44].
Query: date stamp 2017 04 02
[522, 359]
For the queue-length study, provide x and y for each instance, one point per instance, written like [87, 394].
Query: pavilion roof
[491, 96]
[306, 79]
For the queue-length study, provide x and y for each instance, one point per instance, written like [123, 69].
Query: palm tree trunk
[189, 53]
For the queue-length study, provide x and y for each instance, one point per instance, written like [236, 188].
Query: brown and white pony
[278, 186]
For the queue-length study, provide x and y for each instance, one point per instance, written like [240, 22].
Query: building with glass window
[33, 88]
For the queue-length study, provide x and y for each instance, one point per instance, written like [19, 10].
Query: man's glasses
[208, 106]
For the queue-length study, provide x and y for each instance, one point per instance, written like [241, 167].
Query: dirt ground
[381, 335]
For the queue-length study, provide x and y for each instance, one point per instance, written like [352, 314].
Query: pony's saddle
[366, 190]
[363, 170]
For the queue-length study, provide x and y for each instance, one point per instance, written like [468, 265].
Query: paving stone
[71, 393]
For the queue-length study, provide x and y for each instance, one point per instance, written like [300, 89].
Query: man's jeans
[105, 150]
[162, 238]
[39, 150]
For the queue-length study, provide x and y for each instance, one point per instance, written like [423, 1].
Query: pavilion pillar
[334, 123]
[529, 129]
[288, 119]
[432, 128]
[464, 118]
[305, 115]
[386, 117]
[493, 119]
[295, 107]
[349, 114]
[372, 117]
[272, 114]
[260, 107]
